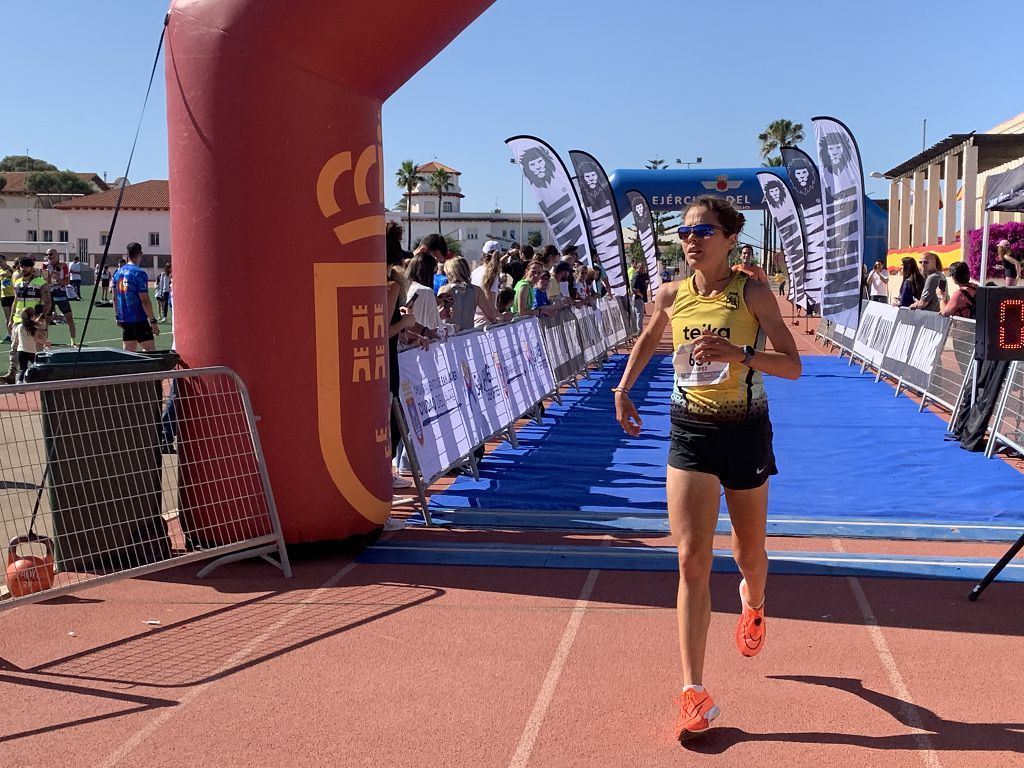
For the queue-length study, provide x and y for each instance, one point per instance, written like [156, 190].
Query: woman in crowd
[913, 283]
[960, 302]
[721, 435]
[489, 277]
[463, 301]
[419, 292]
[402, 320]
[1011, 265]
[524, 303]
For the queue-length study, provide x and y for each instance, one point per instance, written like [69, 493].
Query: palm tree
[780, 133]
[408, 179]
[439, 181]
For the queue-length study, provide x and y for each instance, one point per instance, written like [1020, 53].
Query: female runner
[721, 434]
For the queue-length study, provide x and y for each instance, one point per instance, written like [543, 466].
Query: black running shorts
[740, 455]
[137, 332]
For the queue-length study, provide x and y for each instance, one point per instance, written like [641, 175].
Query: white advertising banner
[429, 391]
[521, 352]
[876, 325]
[571, 331]
[485, 385]
[593, 343]
[615, 327]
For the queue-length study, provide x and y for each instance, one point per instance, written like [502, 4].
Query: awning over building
[994, 149]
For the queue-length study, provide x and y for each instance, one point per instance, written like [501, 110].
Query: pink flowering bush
[1012, 231]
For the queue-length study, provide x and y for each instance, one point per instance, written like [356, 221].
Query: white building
[79, 225]
[145, 217]
[471, 230]
[31, 223]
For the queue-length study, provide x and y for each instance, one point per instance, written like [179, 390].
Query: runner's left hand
[712, 348]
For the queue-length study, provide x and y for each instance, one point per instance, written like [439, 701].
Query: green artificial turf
[102, 331]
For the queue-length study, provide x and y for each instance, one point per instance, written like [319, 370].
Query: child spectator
[31, 338]
[505, 298]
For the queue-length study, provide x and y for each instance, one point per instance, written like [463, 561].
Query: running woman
[721, 434]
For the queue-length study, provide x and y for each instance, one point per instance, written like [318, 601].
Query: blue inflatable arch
[674, 189]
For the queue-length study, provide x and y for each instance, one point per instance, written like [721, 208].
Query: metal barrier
[101, 479]
[1007, 424]
[949, 374]
[571, 340]
[826, 332]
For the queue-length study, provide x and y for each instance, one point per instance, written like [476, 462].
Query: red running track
[364, 665]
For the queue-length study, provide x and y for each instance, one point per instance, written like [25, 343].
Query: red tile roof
[152, 195]
[433, 165]
[16, 181]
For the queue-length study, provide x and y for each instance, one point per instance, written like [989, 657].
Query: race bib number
[690, 373]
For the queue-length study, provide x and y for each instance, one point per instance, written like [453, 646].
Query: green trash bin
[103, 458]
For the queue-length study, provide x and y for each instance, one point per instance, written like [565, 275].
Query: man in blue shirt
[132, 306]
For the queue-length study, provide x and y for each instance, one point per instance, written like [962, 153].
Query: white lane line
[146, 731]
[908, 709]
[547, 689]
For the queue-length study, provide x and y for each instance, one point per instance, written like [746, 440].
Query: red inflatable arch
[277, 212]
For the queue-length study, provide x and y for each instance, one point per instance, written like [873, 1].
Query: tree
[671, 254]
[779, 133]
[534, 239]
[439, 181]
[408, 179]
[3, 182]
[402, 205]
[454, 245]
[25, 163]
[662, 219]
[39, 182]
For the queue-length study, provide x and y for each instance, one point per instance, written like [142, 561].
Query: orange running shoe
[750, 630]
[696, 711]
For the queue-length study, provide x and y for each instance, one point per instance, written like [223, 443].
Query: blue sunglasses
[702, 231]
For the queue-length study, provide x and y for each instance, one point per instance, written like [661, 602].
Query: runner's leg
[748, 511]
[693, 500]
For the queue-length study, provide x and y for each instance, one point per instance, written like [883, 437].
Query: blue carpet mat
[666, 559]
[853, 461]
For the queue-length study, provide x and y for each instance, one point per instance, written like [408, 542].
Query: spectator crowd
[434, 294]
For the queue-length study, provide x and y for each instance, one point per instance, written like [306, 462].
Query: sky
[627, 82]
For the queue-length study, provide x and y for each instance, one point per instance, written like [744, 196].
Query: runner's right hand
[626, 414]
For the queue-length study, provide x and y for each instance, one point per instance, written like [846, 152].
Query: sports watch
[748, 354]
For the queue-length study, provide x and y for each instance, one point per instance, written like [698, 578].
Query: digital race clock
[1000, 331]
